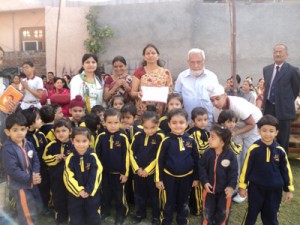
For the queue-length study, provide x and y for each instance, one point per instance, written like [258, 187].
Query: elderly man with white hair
[192, 84]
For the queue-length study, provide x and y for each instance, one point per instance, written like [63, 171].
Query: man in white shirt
[192, 84]
[33, 87]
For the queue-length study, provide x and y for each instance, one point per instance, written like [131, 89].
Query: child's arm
[246, 169]
[232, 174]
[49, 159]
[95, 176]
[133, 146]
[195, 155]
[288, 197]
[202, 169]
[286, 172]
[160, 161]
[125, 158]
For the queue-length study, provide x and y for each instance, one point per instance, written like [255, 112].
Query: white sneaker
[239, 199]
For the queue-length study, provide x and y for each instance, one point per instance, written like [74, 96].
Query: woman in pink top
[60, 95]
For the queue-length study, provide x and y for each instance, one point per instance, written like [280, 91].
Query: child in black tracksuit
[39, 142]
[199, 133]
[143, 160]
[54, 156]
[112, 150]
[82, 177]
[177, 168]
[47, 115]
[218, 171]
[266, 172]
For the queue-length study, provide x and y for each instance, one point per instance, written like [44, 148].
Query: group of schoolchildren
[80, 164]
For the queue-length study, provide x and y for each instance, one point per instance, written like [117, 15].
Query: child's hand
[160, 185]
[140, 94]
[196, 183]
[144, 173]
[208, 188]
[229, 191]
[243, 192]
[83, 194]
[139, 172]
[123, 179]
[36, 178]
[288, 197]
[60, 157]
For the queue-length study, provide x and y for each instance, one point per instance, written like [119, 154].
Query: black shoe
[138, 219]
[155, 221]
[103, 216]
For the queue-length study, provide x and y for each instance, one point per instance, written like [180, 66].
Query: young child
[76, 110]
[99, 110]
[92, 122]
[266, 172]
[174, 101]
[143, 152]
[112, 150]
[177, 168]
[58, 114]
[247, 88]
[47, 115]
[22, 167]
[129, 120]
[117, 102]
[82, 177]
[54, 156]
[39, 142]
[228, 119]
[218, 173]
[199, 117]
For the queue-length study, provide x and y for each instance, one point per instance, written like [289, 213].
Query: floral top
[159, 77]
[110, 82]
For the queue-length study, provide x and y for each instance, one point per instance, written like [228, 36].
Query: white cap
[215, 90]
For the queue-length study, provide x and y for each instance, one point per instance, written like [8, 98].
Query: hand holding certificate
[155, 94]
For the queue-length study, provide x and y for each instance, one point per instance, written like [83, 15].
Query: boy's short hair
[47, 114]
[91, 121]
[129, 108]
[81, 131]
[97, 109]
[226, 115]
[55, 107]
[30, 115]
[268, 120]
[112, 112]
[198, 111]
[63, 122]
[177, 112]
[29, 63]
[15, 119]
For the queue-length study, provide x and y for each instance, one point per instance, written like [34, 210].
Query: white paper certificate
[155, 94]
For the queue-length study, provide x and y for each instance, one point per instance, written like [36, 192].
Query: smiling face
[90, 65]
[81, 143]
[58, 84]
[219, 101]
[178, 124]
[62, 134]
[268, 133]
[119, 68]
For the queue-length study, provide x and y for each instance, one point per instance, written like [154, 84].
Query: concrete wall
[178, 26]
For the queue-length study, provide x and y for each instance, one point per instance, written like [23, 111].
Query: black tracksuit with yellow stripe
[113, 152]
[266, 172]
[177, 167]
[201, 137]
[143, 152]
[56, 169]
[220, 171]
[83, 173]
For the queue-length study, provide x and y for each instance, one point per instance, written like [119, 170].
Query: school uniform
[201, 137]
[56, 169]
[112, 151]
[177, 160]
[266, 172]
[19, 164]
[47, 130]
[74, 123]
[164, 124]
[220, 171]
[39, 142]
[143, 152]
[83, 172]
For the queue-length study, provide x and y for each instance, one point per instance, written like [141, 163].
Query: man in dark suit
[282, 84]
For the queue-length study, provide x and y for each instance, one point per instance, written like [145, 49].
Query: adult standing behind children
[192, 84]
[282, 85]
[119, 83]
[33, 87]
[151, 74]
[87, 83]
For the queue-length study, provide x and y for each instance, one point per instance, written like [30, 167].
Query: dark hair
[224, 133]
[97, 109]
[68, 76]
[268, 120]
[30, 114]
[47, 114]
[119, 59]
[238, 78]
[15, 119]
[81, 131]
[176, 96]
[112, 112]
[226, 115]
[43, 76]
[177, 112]
[29, 63]
[55, 107]
[129, 108]
[63, 122]
[62, 80]
[1, 50]
[150, 115]
[91, 121]
[16, 75]
[159, 62]
[116, 97]
[98, 70]
[151, 107]
[51, 73]
[198, 111]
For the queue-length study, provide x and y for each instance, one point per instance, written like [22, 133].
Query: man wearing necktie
[282, 85]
